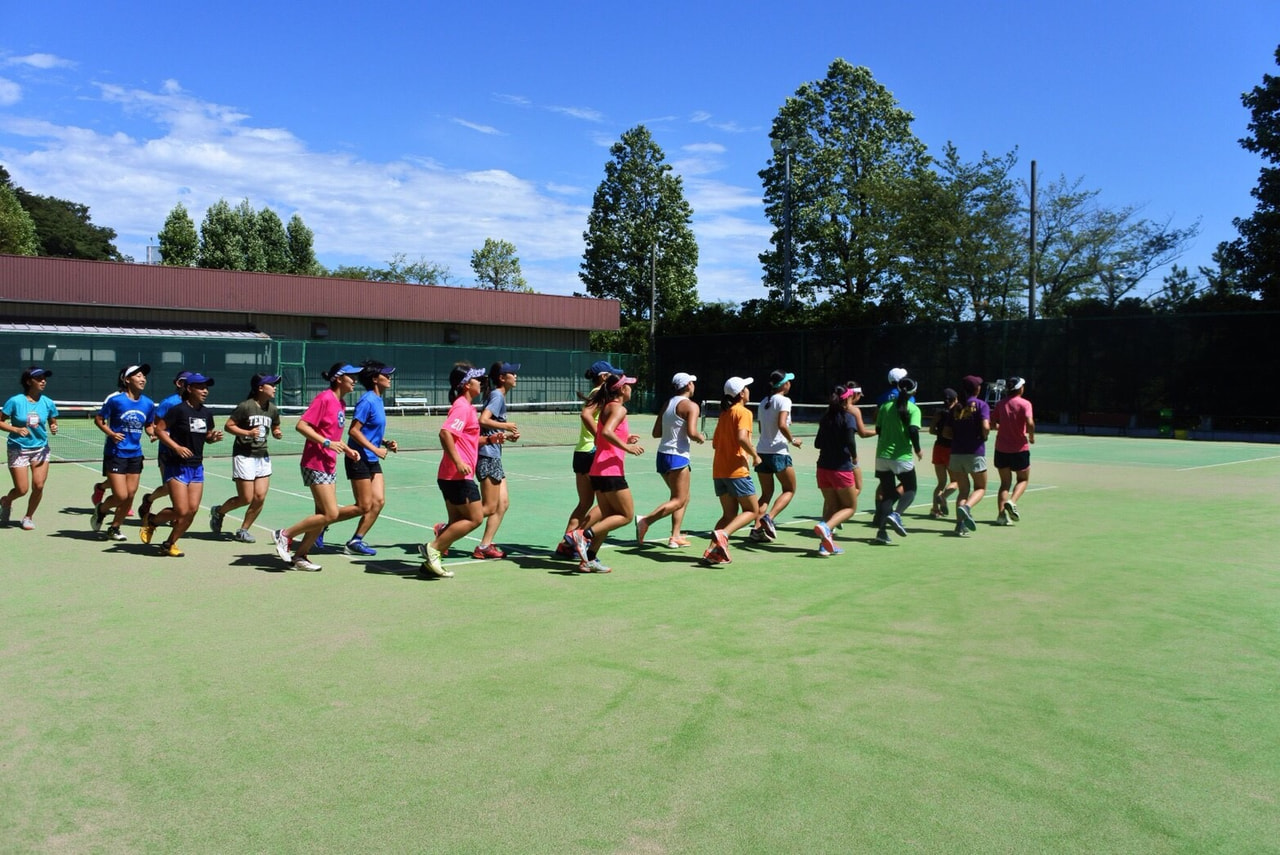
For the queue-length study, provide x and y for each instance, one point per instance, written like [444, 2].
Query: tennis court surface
[1101, 676]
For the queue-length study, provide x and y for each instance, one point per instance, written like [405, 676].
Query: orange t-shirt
[731, 461]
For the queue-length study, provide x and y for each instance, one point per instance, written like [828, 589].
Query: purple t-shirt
[966, 427]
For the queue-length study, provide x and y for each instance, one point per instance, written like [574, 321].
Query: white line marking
[1229, 463]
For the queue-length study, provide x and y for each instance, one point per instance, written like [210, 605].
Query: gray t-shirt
[496, 404]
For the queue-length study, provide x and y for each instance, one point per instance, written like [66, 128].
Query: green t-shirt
[250, 415]
[894, 441]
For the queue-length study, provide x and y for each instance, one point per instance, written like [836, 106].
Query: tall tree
[851, 151]
[221, 239]
[302, 254]
[65, 229]
[1253, 259]
[17, 229]
[275, 242]
[255, 252]
[640, 206]
[179, 243]
[497, 266]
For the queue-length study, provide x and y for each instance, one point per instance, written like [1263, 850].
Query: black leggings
[889, 493]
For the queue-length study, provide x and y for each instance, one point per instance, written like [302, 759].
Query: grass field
[1103, 676]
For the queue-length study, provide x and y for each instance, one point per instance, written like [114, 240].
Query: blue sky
[425, 128]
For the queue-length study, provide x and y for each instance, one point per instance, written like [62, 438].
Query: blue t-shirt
[129, 418]
[168, 403]
[35, 415]
[496, 404]
[371, 413]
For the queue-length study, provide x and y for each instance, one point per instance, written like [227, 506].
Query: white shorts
[250, 468]
[897, 467]
[25, 458]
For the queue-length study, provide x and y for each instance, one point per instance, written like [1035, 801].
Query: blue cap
[510, 368]
[601, 367]
[264, 380]
[195, 378]
[345, 369]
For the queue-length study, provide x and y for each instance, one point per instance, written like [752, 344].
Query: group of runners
[473, 482]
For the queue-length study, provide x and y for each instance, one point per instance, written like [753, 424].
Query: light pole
[783, 147]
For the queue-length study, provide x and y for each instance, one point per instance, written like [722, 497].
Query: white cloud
[517, 100]
[584, 113]
[10, 92]
[700, 116]
[40, 60]
[705, 148]
[729, 127]
[484, 129]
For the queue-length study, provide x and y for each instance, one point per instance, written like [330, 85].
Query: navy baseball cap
[264, 380]
[510, 368]
[602, 367]
[195, 378]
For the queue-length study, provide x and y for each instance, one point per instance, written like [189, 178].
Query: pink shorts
[835, 479]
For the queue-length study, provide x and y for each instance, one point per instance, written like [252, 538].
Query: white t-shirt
[772, 440]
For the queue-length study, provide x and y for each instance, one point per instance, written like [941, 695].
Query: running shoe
[770, 530]
[827, 553]
[1012, 510]
[439, 528]
[642, 527]
[1002, 518]
[114, 533]
[678, 542]
[895, 521]
[431, 566]
[148, 529]
[244, 536]
[490, 551]
[282, 545]
[28, 524]
[579, 543]
[961, 531]
[564, 550]
[99, 490]
[883, 538]
[319, 544]
[942, 506]
[358, 547]
[757, 535]
[306, 565]
[595, 565]
[721, 537]
[215, 519]
[6, 507]
[145, 507]
[823, 531]
[966, 517]
[715, 555]
[99, 516]
[171, 550]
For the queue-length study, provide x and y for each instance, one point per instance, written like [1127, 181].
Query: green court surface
[1102, 676]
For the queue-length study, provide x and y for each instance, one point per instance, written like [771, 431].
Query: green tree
[255, 251]
[852, 152]
[1253, 259]
[179, 243]
[638, 206]
[497, 267]
[221, 239]
[64, 229]
[965, 253]
[398, 269]
[275, 242]
[17, 229]
[302, 254]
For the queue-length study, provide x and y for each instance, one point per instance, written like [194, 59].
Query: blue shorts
[735, 486]
[774, 463]
[671, 463]
[184, 473]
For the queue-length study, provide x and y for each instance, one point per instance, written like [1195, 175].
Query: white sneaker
[244, 536]
[282, 544]
[432, 566]
[302, 563]
[1012, 510]
[28, 524]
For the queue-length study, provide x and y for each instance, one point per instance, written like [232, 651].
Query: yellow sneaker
[171, 550]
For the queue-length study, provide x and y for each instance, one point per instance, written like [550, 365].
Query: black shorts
[608, 483]
[1015, 460]
[461, 492]
[582, 461]
[362, 470]
[122, 465]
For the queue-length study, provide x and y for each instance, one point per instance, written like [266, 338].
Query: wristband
[327, 443]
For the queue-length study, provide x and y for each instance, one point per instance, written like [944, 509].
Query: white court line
[1229, 463]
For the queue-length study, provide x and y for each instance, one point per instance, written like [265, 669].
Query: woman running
[731, 468]
[1015, 434]
[489, 471]
[162, 407]
[583, 453]
[675, 426]
[29, 419]
[321, 426]
[839, 477]
[898, 430]
[183, 432]
[460, 439]
[614, 441]
[969, 429]
[774, 449]
[124, 417]
[251, 421]
[367, 436]
[941, 428]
